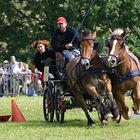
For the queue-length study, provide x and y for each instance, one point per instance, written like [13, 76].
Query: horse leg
[136, 99]
[113, 106]
[80, 100]
[122, 104]
[102, 109]
[92, 90]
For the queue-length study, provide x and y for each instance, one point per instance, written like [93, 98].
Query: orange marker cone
[16, 113]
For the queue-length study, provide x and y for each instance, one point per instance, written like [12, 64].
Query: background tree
[23, 21]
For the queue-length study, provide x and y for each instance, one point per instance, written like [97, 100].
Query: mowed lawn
[73, 128]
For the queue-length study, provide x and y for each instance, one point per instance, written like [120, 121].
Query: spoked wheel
[60, 109]
[48, 105]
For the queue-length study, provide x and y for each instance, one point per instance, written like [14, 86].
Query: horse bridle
[94, 41]
[121, 51]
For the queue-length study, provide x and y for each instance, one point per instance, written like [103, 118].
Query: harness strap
[129, 75]
[82, 74]
[90, 71]
[120, 78]
[134, 61]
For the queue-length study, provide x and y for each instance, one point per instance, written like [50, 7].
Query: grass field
[73, 128]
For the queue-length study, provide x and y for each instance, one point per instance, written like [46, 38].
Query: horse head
[116, 47]
[87, 46]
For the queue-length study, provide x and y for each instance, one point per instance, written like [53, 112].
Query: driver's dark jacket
[60, 39]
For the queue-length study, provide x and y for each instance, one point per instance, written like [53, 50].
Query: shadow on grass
[76, 123]
[67, 123]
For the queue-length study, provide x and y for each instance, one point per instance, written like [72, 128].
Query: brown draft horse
[126, 73]
[83, 80]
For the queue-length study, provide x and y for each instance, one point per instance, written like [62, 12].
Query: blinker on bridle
[94, 40]
[94, 46]
[118, 38]
[115, 38]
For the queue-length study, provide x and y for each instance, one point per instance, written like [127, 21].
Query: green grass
[73, 128]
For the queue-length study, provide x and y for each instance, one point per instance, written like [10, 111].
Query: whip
[81, 24]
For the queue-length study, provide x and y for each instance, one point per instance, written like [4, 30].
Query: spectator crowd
[16, 78]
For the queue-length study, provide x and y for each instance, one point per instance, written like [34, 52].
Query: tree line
[24, 21]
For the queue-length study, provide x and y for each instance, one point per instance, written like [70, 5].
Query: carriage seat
[60, 60]
[61, 64]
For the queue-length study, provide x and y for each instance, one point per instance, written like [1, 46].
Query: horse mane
[126, 48]
[116, 32]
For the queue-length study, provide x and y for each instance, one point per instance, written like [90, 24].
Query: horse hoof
[126, 116]
[137, 112]
[90, 123]
[107, 116]
[117, 119]
[104, 122]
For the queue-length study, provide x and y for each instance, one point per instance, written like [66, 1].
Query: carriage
[89, 87]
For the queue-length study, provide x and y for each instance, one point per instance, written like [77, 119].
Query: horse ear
[94, 34]
[125, 33]
[110, 30]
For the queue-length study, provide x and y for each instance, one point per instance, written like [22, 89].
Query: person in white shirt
[13, 63]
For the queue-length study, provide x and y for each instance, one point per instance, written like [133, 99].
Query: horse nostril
[87, 64]
[113, 61]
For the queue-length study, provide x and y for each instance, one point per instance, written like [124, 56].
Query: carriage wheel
[48, 105]
[60, 109]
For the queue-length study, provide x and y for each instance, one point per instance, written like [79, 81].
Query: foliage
[24, 21]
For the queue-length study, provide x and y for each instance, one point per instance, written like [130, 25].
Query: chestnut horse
[86, 75]
[126, 70]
